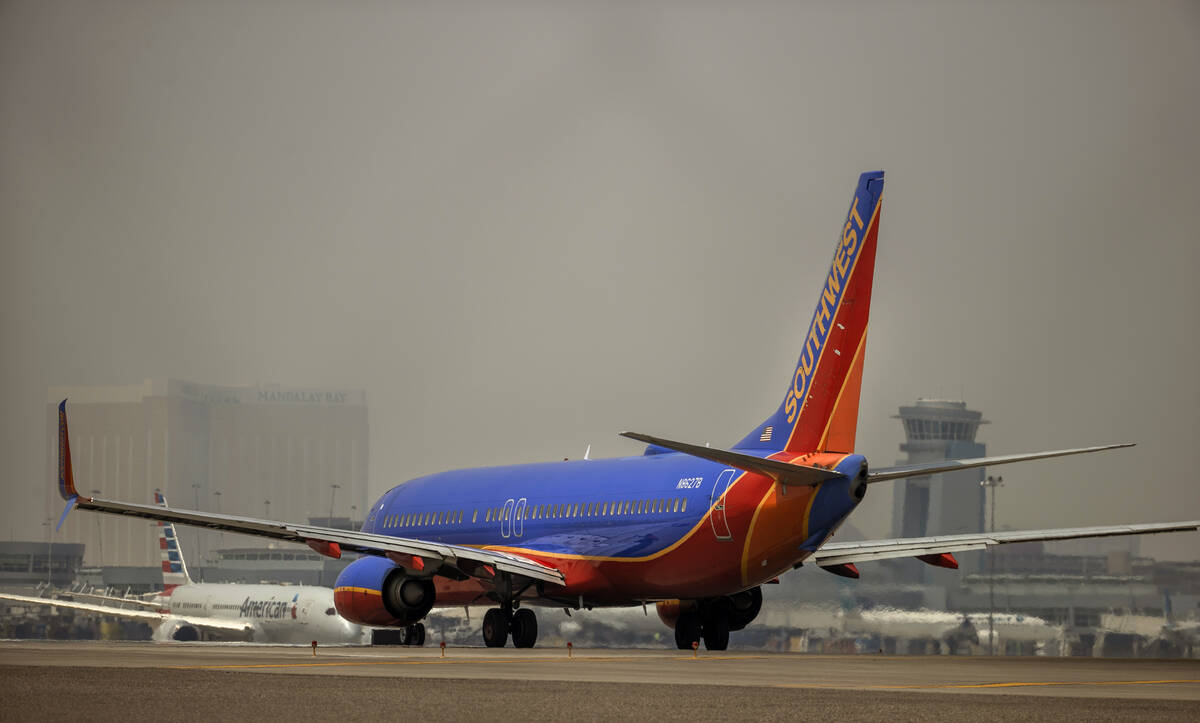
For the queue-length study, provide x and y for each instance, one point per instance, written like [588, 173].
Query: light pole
[217, 503]
[99, 533]
[196, 489]
[334, 487]
[49, 551]
[993, 483]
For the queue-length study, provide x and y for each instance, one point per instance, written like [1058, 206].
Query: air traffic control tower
[942, 504]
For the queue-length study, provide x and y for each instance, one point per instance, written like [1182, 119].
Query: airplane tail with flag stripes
[819, 412]
[173, 567]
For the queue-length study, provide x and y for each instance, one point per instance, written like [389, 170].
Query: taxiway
[200, 680]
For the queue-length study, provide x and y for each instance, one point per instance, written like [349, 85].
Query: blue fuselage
[628, 507]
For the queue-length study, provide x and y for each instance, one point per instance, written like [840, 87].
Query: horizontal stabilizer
[784, 473]
[920, 470]
[841, 553]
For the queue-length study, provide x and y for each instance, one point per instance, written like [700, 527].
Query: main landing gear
[414, 634]
[499, 622]
[710, 625]
[714, 618]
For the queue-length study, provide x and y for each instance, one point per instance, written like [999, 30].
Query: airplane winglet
[70, 506]
[66, 478]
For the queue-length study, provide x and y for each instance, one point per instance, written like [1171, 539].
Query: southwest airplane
[188, 611]
[696, 530]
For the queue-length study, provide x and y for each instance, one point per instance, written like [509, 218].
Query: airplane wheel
[419, 634]
[524, 628]
[495, 628]
[408, 635]
[716, 632]
[687, 630]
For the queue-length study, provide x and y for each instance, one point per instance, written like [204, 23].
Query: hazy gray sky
[523, 227]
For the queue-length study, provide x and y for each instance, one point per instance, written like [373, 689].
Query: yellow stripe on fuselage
[366, 590]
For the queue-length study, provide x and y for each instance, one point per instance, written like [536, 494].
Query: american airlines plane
[189, 611]
[695, 530]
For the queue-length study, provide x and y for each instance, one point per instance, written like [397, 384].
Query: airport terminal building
[261, 451]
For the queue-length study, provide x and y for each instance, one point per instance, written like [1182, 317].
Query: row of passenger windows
[591, 509]
[619, 508]
[420, 519]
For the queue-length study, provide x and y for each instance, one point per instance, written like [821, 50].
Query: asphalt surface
[73, 681]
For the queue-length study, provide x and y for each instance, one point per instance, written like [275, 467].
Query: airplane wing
[454, 561]
[154, 618]
[457, 561]
[950, 465]
[842, 553]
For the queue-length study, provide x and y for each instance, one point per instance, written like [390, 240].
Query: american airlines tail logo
[831, 296]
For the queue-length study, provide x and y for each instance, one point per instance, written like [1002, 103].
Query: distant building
[279, 563]
[260, 451]
[951, 502]
[122, 580]
[29, 564]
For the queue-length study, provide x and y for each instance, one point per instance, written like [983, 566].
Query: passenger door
[506, 518]
[518, 523]
[720, 524]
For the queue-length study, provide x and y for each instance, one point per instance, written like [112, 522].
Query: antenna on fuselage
[587, 452]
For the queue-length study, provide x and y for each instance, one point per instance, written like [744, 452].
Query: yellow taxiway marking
[1016, 684]
[447, 661]
[1044, 683]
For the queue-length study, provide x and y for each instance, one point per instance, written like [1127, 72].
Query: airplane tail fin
[819, 412]
[66, 478]
[174, 568]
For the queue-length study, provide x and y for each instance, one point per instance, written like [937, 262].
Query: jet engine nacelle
[377, 591]
[174, 630]
[669, 610]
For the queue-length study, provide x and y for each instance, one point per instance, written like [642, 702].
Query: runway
[201, 680]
